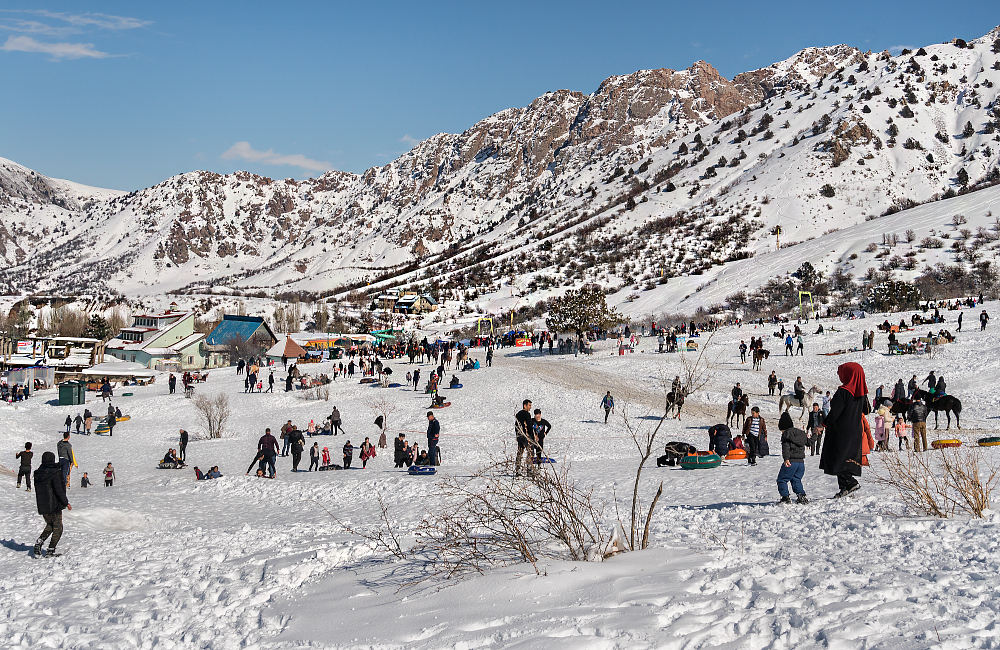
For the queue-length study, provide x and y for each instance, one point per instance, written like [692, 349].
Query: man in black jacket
[433, 435]
[182, 450]
[815, 428]
[25, 469]
[399, 449]
[522, 434]
[50, 497]
[793, 453]
[298, 442]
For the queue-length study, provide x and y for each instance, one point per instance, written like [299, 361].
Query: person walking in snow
[335, 421]
[983, 319]
[109, 475]
[267, 452]
[24, 468]
[960, 314]
[50, 500]
[69, 423]
[743, 352]
[314, 457]
[814, 427]
[367, 451]
[78, 422]
[789, 341]
[348, 454]
[608, 404]
[772, 382]
[66, 458]
[800, 348]
[182, 445]
[793, 455]
[270, 382]
[846, 445]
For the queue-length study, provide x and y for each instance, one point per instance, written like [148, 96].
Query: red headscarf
[852, 376]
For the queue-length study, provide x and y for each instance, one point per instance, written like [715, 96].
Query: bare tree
[214, 413]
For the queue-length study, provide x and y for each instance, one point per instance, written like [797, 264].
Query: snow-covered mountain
[654, 177]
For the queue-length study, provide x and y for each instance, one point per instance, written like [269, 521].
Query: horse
[675, 400]
[737, 409]
[759, 355]
[788, 401]
[947, 403]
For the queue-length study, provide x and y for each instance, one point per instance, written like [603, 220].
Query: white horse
[788, 401]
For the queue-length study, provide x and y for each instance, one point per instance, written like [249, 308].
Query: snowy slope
[161, 561]
[655, 175]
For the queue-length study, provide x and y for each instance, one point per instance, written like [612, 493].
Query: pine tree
[968, 131]
[963, 177]
[579, 311]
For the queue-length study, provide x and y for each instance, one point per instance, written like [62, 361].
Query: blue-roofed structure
[234, 328]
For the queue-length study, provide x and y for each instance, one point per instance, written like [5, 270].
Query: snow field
[162, 561]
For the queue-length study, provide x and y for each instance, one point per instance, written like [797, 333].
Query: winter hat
[48, 457]
[785, 422]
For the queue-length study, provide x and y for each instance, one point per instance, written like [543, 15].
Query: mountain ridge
[532, 176]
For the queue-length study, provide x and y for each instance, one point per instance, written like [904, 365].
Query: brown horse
[736, 410]
[675, 400]
[759, 355]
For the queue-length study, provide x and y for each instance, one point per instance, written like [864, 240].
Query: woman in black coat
[841, 455]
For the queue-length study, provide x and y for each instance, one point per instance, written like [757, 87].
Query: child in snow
[109, 475]
[881, 433]
[326, 456]
[793, 454]
[902, 433]
[738, 442]
[84, 482]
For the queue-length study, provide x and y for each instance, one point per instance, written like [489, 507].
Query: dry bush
[940, 483]
[493, 519]
[213, 413]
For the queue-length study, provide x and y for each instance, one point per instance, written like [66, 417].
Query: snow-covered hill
[654, 178]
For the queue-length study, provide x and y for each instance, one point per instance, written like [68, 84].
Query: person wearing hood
[793, 454]
[844, 444]
[50, 498]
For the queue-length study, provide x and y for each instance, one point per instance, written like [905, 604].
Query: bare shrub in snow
[213, 413]
[495, 519]
[940, 483]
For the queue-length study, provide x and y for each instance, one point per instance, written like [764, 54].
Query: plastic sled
[124, 418]
[126, 394]
[422, 470]
[455, 386]
[395, 385]
[543, 460]
[169, 466]
[701, 460]
[367, 380]
[441, 406]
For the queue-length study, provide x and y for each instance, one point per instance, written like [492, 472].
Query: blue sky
[126, 94]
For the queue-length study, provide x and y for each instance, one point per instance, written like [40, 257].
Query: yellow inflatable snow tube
[991, 441]
[946, 442]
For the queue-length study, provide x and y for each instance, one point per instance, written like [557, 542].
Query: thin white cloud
[61, 22]
[101, 21]
[409, 140]
[27, 23]
[896, 50]
[243, 151]
[57, 51]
